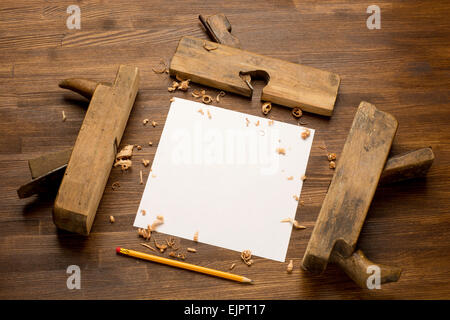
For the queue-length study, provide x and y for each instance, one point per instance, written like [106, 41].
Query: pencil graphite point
[247, 280]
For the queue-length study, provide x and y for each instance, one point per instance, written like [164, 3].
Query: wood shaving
[177, 255]
[63, 116]
[286, 220]
[221, 94]
[124, 164]
[247, 122]
[191, 250]
[297, 112]
[257, 123]
[232, 266]
[145, 121]
[144, 233]
[112, 219]
[156, 223]
[145, 162]
[171, 89]
[209, 114]
[196, 236]
[115, 185]
[170, 242]
[295, 197]
[197, 94]
[150, 143]
[332, 165]
[208, 46]
[303, 177]
[290, 178]
[206, 99]
[141, 180]
[161, 218]
[305, 134]
[290, 266]
[200, 111]
[162, 68]
[297, 225]
[143, 212]
[184, 85]
[153, 175]
[125, 153]
[270, 123]
[148, 246]
[266, 107]
[161, 247]
[331, 156]
[246, 256]
[302, 203]
[281, 151]
[154, 123]
[138, 147]
[172, 99]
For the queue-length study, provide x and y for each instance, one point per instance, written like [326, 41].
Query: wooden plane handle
[357, 267]
[219, 30]
[85, 87]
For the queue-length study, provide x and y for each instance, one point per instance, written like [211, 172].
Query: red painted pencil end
[118, 250]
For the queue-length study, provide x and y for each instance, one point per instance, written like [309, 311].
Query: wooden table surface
[403, 69]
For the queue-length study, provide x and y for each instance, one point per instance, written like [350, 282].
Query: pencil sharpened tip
[247, 280]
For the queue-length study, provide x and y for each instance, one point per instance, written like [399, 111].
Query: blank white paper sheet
[230, 176]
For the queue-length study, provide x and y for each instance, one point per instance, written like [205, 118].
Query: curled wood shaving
[305, 134]
[149, 246]
[144, 233]
[112, 219]
[295, 197]
[191, 250]
[63, 116]
[145, 121]
[232, 266]
[290, 266]
[143, 212]
[221, 94]
[208, 46]
[302, 203]
[126, 152]
[197, 94]
[115, 185]
[161, 247]
[331, 156]
[286, 220]
[266, 107]
[206, 99]
[303, 177]
[257, 123]
[141, 180]
[297, 112]
[170, 242]
[154, 123]
[145, 162]
[270, 123]
[124, 164]
[196, 236]
[138, 147]
[281, 151]
[332, 165]
[177, 255]
[246, 256]
[184, 85]
[160, 218]
[171, 89]
[200, 111]
[150, 143]
[172, 99]
[159, 221]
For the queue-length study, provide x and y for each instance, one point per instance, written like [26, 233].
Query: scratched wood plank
[403, 68]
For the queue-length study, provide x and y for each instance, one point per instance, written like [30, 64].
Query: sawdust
[266, 107]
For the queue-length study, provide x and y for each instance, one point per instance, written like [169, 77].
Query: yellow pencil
[183, 265]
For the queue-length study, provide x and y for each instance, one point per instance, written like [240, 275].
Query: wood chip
[143, 212]
[154, 123]
[145, 121]
[295, 197]
[281, 151]
[266, 107]
[112, 219]
[232, 266]
[200, 111]
[196, 94]
[141, 180]
[286, 220]
[196, 236]
[172, 99]
[184, 85]
[290, 266]
[150, 143]
[290, 178]
[247, 122]
[332, 165]
[303, 177]
[138, 147]
[162, 68]
[302, 203]
[191, 250]
[156, 223]
[257, 123]
[148, 246]
[331, 156]
[221, 94]
[145, 162]
[297, 225]
[209, 114]
[63, 116]
[126, 152]
[208, 46]
[270, 123]
[161, 247]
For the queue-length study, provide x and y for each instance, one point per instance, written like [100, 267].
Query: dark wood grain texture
[403, 69]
